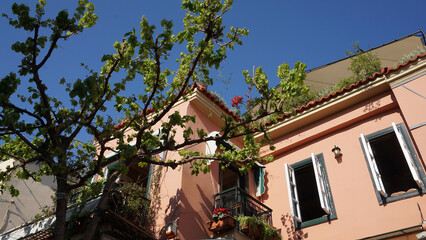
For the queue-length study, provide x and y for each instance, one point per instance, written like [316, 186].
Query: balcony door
[230, 177]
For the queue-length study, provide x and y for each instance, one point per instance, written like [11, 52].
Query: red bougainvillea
[237, 100]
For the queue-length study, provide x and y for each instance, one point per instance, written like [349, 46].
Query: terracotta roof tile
[384, 71]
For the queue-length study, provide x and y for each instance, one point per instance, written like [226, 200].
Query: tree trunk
[101, 207]
[61, 208]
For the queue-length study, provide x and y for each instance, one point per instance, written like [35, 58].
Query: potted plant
[221, 220]
[251, 225]
[258, 228]
[270, 232]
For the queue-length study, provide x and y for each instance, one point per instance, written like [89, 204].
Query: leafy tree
[37, 127]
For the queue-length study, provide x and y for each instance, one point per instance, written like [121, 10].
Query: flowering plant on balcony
[258, 228]
[221, 220]
[219, 213]
[270, 232]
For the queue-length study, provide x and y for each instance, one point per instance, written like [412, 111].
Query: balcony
[129, 207]
[126, 216]
[127, 212]
[239, 202]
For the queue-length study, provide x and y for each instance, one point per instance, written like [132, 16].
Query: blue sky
[313, 32]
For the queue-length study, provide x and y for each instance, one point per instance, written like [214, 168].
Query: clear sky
[313, 32]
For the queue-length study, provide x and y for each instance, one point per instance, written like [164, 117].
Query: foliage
[129, 201]
[252, 222]
[411, 55]
[363, 64]
[37, 127]
[77, 200]
[81, 196]
[219, 213]
[270, 232]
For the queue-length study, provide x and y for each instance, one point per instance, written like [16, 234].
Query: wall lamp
[336, 151]
[171, 229]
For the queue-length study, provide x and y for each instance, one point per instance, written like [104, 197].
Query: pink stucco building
[371, 190]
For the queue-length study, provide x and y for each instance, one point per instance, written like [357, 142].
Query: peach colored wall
[359, 214]
[170, 194]
[321, 127]
[197, 191]
[166, 201]
[413, 107]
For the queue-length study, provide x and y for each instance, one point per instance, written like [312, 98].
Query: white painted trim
[373, 166]
[319, 178]
[407, 155]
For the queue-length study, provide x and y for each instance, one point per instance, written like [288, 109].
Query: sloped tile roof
[383, 72]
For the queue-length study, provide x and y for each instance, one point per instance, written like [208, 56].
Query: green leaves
[8, 86]
[24, 20]
[13, 191]
[49, 132]
[89, 17]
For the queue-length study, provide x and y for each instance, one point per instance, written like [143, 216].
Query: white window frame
[377, 178]
[408, 156]
[292, 191]
[323, 188]
[159, 133]
[319, 178]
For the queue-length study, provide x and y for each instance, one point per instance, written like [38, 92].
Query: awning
[259, 178]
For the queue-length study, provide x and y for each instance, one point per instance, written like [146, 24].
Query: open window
[393, 164]
[309, 192]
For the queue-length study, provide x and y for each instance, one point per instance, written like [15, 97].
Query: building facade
[372, 189]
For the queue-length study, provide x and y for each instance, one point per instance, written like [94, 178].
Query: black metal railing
[239, 202]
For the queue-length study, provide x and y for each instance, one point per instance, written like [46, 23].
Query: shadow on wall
[292, 233]
[172, 212]
[197, 229]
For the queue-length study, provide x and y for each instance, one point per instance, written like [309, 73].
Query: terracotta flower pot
[224, 224]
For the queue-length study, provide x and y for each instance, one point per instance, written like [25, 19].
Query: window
[393, 164]
[309, 192]
[230, 177]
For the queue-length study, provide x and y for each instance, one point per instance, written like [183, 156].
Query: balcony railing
[238, 202]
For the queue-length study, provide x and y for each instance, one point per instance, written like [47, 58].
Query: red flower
[219, 213]
[237, 100]
[220, 210]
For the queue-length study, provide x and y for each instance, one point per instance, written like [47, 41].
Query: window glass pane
[310, 206]
[396, 175]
